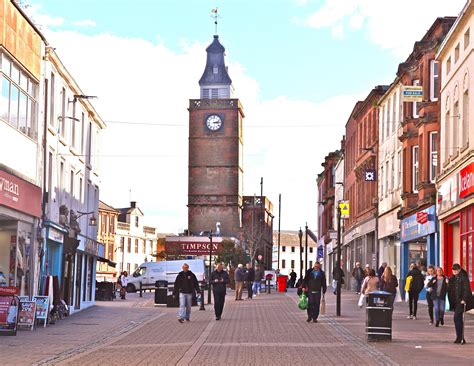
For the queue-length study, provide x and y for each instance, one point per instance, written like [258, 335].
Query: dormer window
[215, 69]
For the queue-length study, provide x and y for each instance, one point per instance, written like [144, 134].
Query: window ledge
[465, 147]
[52, 130]
[62, 140]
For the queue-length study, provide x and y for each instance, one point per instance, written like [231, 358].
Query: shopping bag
[303, 303]
[361, 300]
[322, 308]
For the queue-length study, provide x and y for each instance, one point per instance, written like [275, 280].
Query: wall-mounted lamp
[61, 118]
[81, 96]
[92, 219]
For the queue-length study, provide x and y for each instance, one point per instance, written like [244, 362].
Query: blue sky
[297, 64]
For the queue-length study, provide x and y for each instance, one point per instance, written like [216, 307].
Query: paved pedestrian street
[268, 330]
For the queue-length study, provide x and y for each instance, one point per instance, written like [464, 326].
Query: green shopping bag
[303, 303]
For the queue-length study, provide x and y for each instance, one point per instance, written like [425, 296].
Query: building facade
[419, 136]
[360, 189]
[107, 227]
[455, 183]
[22, 48]
[71, 187]
[135, 242]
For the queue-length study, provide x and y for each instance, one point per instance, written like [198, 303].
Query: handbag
[361, 300]
[303, 303]
[322, 308]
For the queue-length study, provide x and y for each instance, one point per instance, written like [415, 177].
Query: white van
[150, 272]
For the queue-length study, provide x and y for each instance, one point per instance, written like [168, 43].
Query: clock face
[213, 122]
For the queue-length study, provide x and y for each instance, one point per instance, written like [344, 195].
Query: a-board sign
[42, 307]
[24, 298]
[27, 313]
[8, 314]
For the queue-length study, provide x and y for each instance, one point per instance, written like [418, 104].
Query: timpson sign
[192, 247]
[19, 194]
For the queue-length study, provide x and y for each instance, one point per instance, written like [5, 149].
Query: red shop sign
[9, 291]
[422, 217]
[192, 248]
[19, 194]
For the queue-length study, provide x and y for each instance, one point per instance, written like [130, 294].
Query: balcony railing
[123, 226]
[149, 230]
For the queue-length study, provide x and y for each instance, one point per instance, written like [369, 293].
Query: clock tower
[215, 151]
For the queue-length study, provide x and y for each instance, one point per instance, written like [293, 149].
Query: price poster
[27, 314]
[42, 307]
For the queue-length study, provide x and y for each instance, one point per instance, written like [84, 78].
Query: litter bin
[161, 292]
[104, 291]
[378, 324]
[282, 280]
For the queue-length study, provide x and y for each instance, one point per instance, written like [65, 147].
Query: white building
[455, 183]
[71, 176]
[290, 252]
[390, 170]
[135, 242]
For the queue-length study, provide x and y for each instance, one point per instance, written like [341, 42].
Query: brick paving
[268, 330]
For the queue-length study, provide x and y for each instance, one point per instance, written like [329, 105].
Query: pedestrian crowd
[186, 286]
[437, 285]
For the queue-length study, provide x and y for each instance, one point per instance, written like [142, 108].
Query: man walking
[292, 278]
[257, 282]
[381, 270]
[358, 274]
[249, 279]
[460, 299]
[184, 286]
[219, 280]
[239, 282]
[314, 284]
[338, 276]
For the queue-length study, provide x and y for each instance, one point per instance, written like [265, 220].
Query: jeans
[219, 299]
[185, 305]
[257, 287]
[239, 285]
[413, 302]
[314, 302]
[458, 321]
[429, 299]
[358, 285]
[439, 305]
[249, 289]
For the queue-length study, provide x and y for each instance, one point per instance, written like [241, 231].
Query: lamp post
[338, 288]
[210, 265]
[300, 235]
[306, 247]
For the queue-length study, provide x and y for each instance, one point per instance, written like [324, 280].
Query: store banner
[466, 181]
[19, 194]
[419, 224]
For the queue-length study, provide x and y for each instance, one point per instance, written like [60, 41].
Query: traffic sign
[344, 208]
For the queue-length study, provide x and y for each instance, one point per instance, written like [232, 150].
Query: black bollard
[141, 289]
[202, 299]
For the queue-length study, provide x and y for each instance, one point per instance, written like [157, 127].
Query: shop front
[456, 212]
[20, 209]
[389, 240]
[51, 264]
[419, 240]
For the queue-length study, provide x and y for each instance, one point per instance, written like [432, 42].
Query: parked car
[149, 272]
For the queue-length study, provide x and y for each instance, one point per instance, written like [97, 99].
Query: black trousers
[413, 302]
[314, 302]
[219, 299]
[250, 289]
[430, 305]
[458, 320]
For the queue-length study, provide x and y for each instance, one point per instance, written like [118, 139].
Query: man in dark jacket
[358, 274]
[338, 276]
[292, 278]
[257, 282]
[381, 270]
[219, 280]
[249, 278]
[239, 277]
[184, 286]
[460, 299]
[314, 284]
[417, 284]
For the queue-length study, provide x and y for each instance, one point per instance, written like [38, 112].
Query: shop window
[467, 217]
[90, 271]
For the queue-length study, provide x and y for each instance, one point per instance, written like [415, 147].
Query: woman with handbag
[371, 283]
[438, 287]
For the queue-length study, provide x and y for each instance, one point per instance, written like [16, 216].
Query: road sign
[344, 207]
[412, 93]
[333, 234]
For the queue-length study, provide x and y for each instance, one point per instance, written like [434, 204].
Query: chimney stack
[133, 204]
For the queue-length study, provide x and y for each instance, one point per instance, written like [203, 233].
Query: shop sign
[466, 181]
[91, 246]
[321, 251]
[8, 290]
[55, 235]
[411, 228]
[192, 248]
[42, 307]
[26, 314]
[19, 194]
[369, 175]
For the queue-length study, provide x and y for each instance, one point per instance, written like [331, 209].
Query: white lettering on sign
[10, 187]
[467, 182]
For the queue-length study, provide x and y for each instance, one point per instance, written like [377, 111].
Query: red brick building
[419, 136]
[360, 183]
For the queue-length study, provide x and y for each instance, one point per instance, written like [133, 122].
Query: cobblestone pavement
[269, 330]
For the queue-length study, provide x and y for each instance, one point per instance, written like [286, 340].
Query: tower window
[214, 93]
[205, 93]
[215, 69]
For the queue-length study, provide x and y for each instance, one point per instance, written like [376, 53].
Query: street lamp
[306, 247]
[210, 265]
[300, 235]
[339, 248]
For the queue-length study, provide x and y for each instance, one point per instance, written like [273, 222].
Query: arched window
[465, 111]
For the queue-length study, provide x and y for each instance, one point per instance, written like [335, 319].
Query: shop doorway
[452, 244]
[77, 303]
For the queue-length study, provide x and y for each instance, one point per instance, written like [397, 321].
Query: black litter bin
[161, 292]
[104, 291]
[378, 324]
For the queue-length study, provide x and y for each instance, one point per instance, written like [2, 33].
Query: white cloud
[41, 19]
[141, 81]
[84, 23]
[391, 25]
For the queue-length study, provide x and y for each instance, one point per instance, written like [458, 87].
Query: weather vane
[215, 16]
